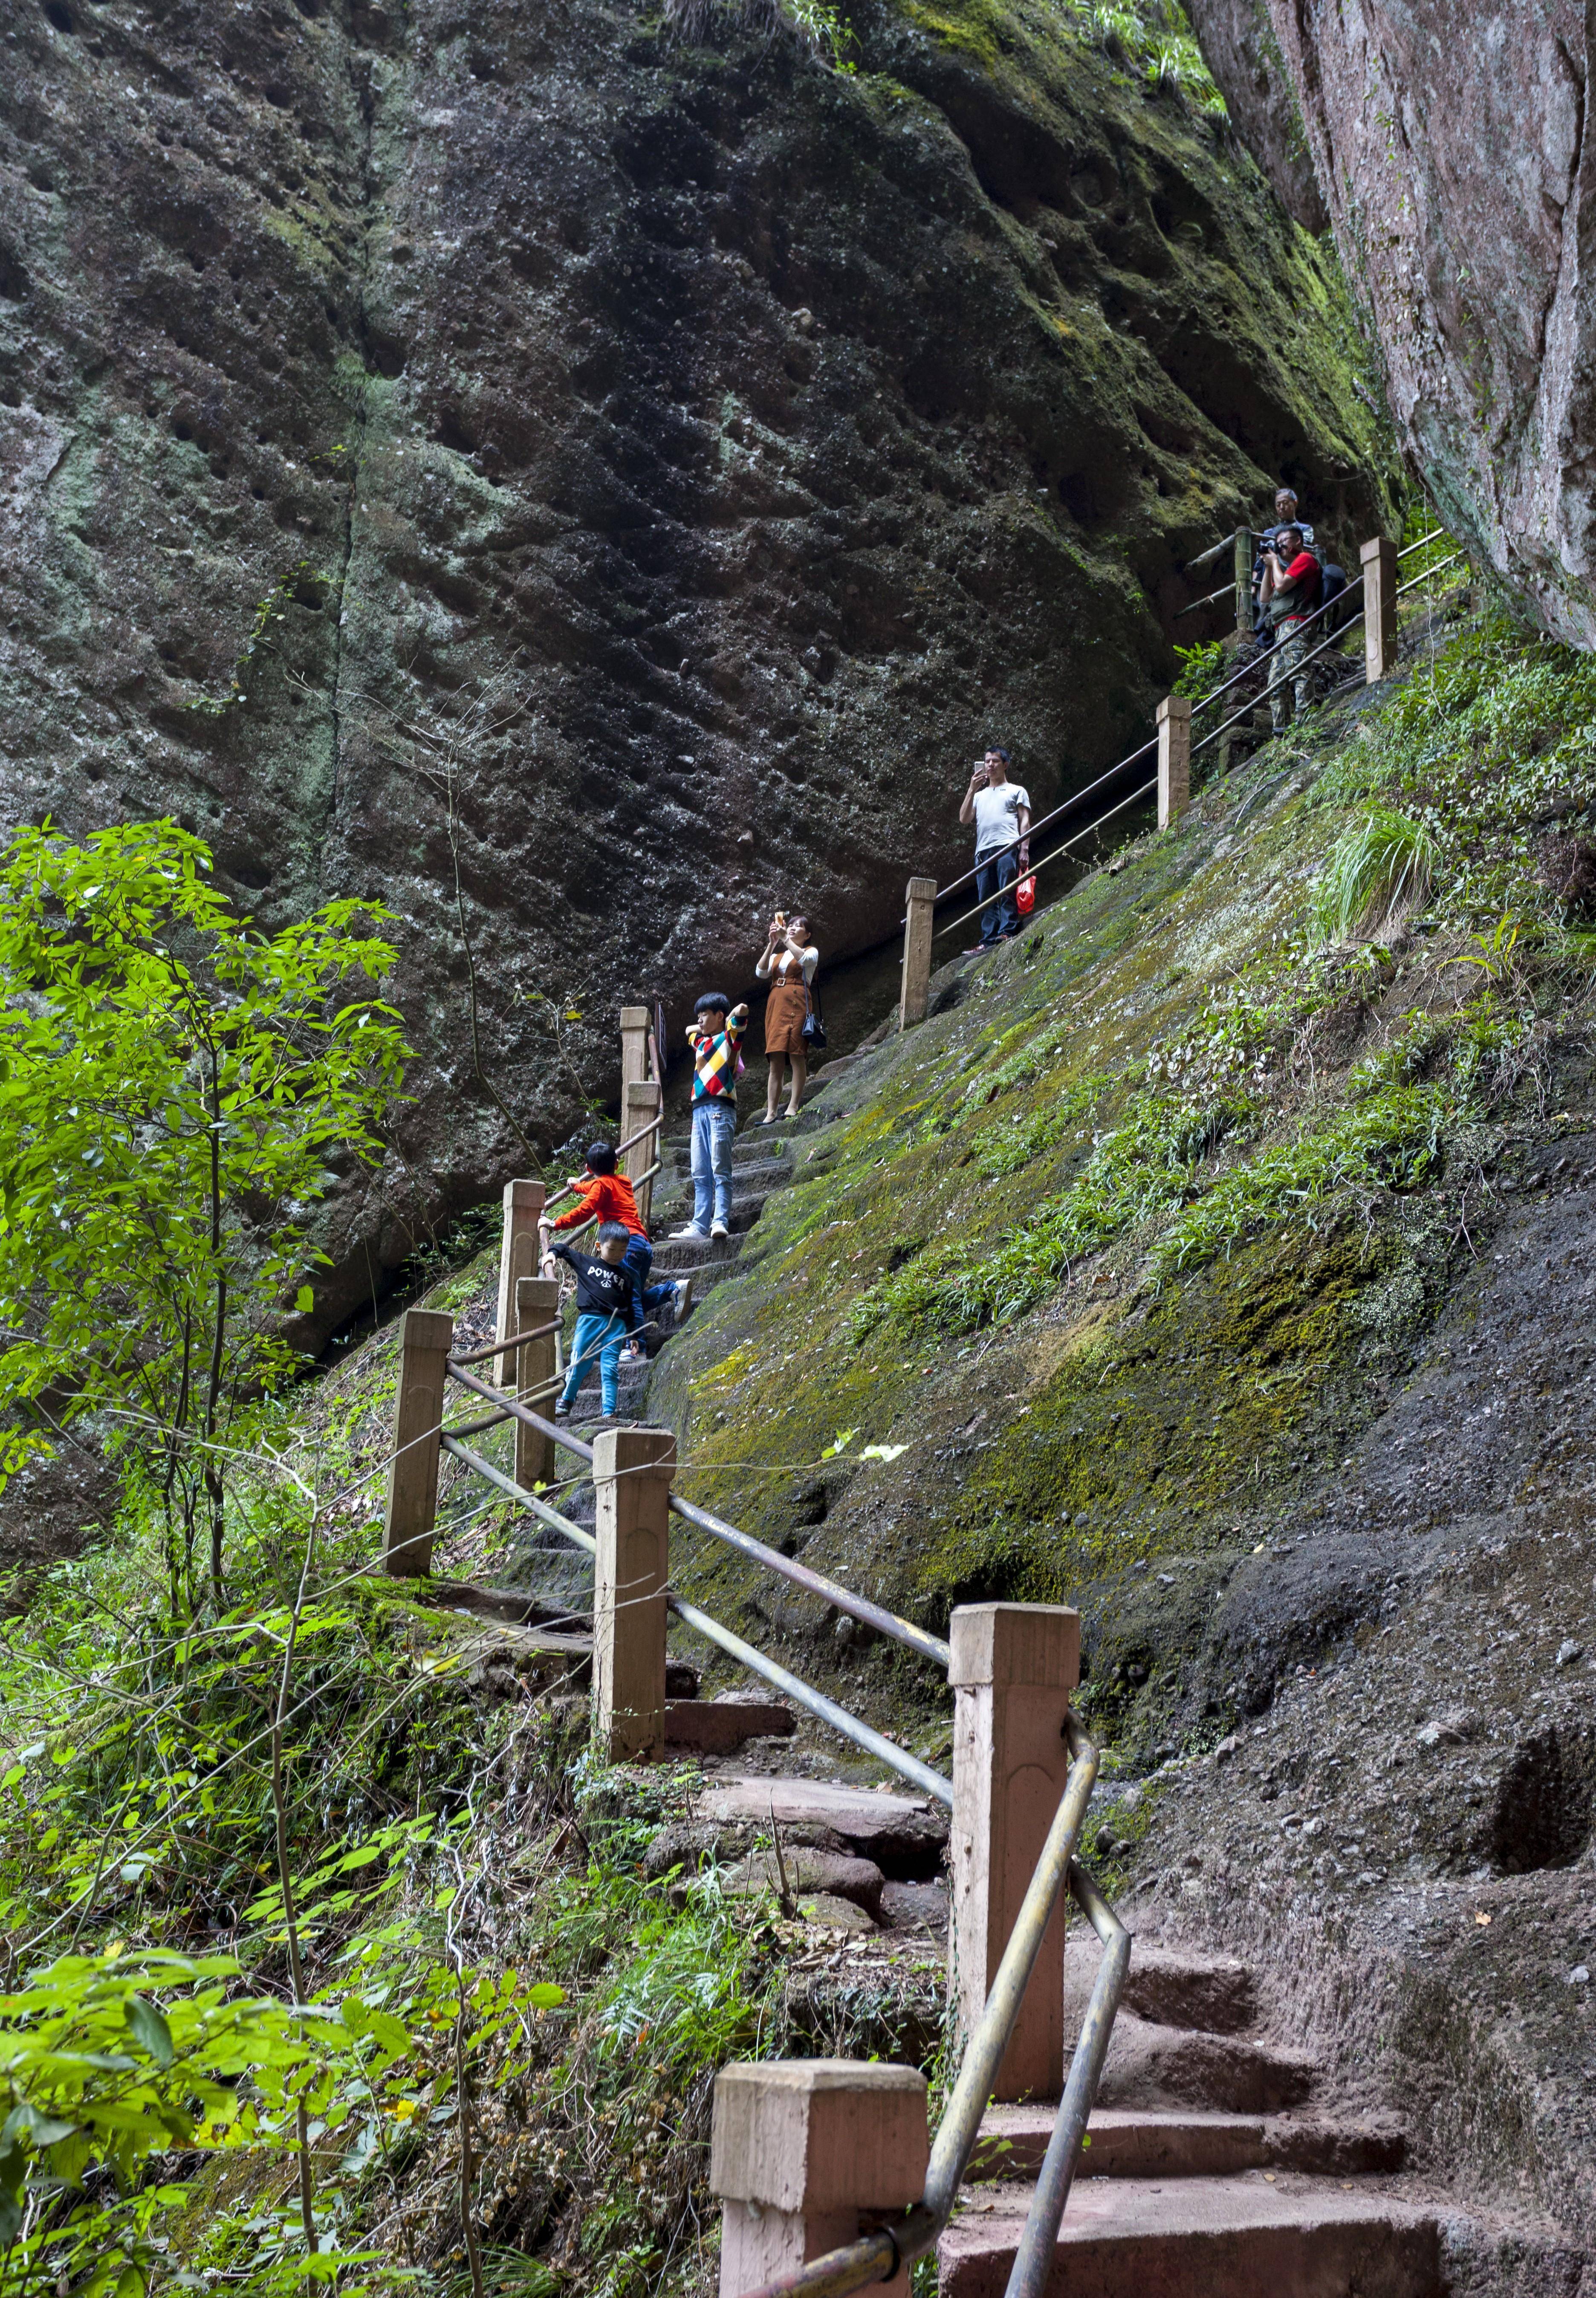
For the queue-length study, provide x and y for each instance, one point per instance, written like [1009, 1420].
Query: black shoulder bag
[814, 1032]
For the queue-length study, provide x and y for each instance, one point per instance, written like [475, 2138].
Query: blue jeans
[600, 1337]
[992, 880]
[713, 1126]
[637, 1260]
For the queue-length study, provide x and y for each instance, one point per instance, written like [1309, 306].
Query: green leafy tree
[178, 1090]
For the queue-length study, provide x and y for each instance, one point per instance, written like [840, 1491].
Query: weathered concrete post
[639, 1103]
[426, 1337]
[537, 1302]
[1379, 608]
[518, 1258]
[802, 2151]
[1174, 758]
[1243, 549]
[1015, 1666]
[632, 1481]
[922, 898]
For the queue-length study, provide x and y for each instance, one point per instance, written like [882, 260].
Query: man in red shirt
[1291, 591]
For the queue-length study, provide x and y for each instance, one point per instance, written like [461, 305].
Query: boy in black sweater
[606, 1312]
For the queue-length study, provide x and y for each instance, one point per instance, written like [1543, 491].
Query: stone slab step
[1216, 1993]
[1185, 2143]
[1202, 2237]
[1149, 2064]
[904, 1835]
[674, 1256]
[718, 1727]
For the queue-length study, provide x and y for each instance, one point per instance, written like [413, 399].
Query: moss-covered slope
[1130, 1244]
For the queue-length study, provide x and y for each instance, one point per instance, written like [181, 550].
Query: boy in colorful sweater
[606, 1196]
[714, 1034]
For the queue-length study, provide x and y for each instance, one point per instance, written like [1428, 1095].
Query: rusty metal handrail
[877, 2256]
[850, 1727]
[1096, 823]
[814, 1583]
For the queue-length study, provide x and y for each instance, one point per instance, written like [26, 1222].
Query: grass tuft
[1379, 873]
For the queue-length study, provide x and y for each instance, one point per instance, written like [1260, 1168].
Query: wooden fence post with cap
[537, 1302]
[635, 1023]
[1244, 582]
[805, 2155]
[631, 1484]
[426, 1337]
[1379, 608]
[518, 1258]
[1013, 1668]
[639, 1103]
[915, 990]
[1174, 758]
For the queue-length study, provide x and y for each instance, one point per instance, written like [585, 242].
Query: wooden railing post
[1379, 608]
[1244, 582]
[639, 1102]
[635, 1023]
[1013, 1668]
[426, 1337]
[922, 898]
[518, 1258]
[1174, 758]
[805, 2155]
[537, 1302]
[632, 1482]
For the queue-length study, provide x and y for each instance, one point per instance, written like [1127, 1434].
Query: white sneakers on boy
[688, 1236]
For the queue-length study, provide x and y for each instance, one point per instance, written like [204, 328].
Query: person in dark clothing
[606, 1312]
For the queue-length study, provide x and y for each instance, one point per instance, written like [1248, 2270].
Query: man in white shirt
[1000, 810]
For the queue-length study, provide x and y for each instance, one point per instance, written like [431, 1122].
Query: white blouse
[779, 963]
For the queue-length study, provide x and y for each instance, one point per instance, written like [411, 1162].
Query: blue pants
[992, 879]
[637, 1260]
[600, 1337]
[713, 1127]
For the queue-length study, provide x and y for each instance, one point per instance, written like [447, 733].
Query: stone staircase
[1211, 2168]
[761, 1163]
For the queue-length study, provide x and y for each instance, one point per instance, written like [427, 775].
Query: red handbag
[1025, 894]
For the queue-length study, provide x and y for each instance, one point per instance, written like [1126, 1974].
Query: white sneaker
[684, 1296]
[718, 1228]
[688, 1236]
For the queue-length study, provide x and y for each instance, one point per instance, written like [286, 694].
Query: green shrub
[1380, 871]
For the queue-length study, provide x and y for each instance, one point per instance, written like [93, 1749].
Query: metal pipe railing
[1254, 700]
[1095, 824]
[514, 1341]
[814, 1583]
[1408, 549]
[851, 1727]
[876, 2257]
[1034, 2259]
[1440, 567]
[1225, 590]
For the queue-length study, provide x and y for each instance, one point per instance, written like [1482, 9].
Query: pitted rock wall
[1449, 145]
[635, 477]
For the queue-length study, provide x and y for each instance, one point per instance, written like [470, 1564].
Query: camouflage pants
[1287, 675]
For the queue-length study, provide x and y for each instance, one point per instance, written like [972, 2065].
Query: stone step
[755, 1141]
[674, 1256]
[1149, 2064]
[1185, 2143]
[718, 1727]
[1202, 2237]
[905, 1835]
[1216, 1993]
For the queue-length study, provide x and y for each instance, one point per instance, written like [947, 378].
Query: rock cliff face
[577, 486]
[1450, 147]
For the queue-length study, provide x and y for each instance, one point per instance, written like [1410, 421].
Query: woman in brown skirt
[787, 964]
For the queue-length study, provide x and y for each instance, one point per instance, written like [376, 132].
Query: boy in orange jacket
[607, 1195]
